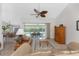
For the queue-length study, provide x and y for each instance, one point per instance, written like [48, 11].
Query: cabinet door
[56, 34]
[60, 35]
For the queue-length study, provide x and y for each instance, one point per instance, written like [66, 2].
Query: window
[29, 29]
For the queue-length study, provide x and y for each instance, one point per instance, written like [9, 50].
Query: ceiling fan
[40, 13]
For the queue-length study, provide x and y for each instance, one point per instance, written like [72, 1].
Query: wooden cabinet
[60, 34]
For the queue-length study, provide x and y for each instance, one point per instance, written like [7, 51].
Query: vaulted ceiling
[25, 9]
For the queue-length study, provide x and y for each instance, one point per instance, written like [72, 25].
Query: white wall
[68, 17]
[1, 36]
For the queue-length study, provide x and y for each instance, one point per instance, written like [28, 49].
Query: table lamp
[20, 32]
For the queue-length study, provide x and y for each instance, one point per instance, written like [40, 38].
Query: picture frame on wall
[77, 25]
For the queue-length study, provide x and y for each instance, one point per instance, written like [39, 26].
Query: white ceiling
[54, 9]
[25, 9]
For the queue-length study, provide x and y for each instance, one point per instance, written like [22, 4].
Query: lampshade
[20, 32]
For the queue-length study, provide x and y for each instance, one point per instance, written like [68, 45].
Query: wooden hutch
[60, 34]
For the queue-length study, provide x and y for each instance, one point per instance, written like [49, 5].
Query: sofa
[24, 49]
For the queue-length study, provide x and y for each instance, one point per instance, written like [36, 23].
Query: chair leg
[69, 50]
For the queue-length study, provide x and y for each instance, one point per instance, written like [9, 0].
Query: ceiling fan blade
[35, 15]
[36, 11]
[42, 15]
[43, 12]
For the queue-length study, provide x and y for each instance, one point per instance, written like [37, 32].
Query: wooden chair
[44, 43]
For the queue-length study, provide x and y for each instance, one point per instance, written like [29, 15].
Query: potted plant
[4, 28]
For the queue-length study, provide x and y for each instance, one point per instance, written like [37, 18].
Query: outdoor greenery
[6, 27]
[34, 28]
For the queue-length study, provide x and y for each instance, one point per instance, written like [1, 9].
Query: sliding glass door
[38, 30]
